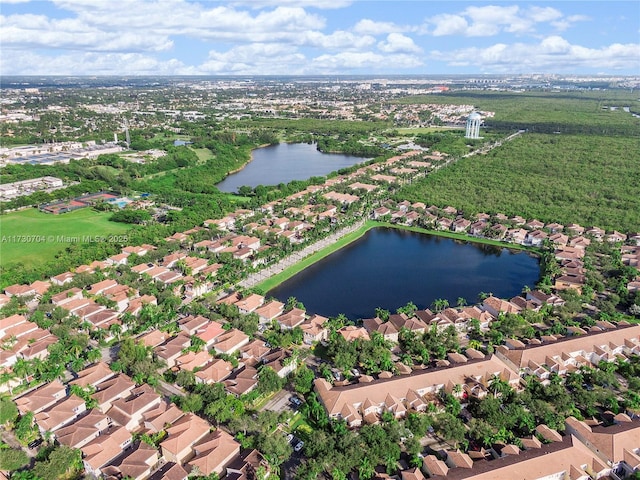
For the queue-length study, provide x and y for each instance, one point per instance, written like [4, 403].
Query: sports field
[30, 236]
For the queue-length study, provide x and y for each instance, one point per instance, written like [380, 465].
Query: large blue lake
[389, 267]
[286, 162]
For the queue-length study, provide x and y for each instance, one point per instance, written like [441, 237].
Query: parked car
[295, 400]
[290, 437]
[298, 446]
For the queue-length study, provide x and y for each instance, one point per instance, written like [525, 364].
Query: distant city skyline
[316, 37]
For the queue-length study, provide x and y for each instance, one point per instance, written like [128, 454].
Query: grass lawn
[203, 154]
[30, 236]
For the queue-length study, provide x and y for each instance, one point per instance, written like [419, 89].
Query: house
[313, 329]
[93, 375]
[460, 225]
[609, 443]
[210, 333]
[111, 390]
[129, 411]
[291, 318]
[434, 466]
[214, 452]
[280, 362]
[536, 238]
[37, 400]
[414, 324]
[104, 449]
[381, 212]
[191, 325]
[569, 280]
[83, 430]
[351, 333]
[253, 352]
[244, 466]
[63, 278]
[20, 291]
[412, 474]
[231, 341]
[386, 329]
[214, 372]
[136, 464]
[156, 419]
[170, 471]
[182, 436]
[569, 353]
[269, 311]
[60, 414]
[172, 349]
[355, 402]
[250, 303]
[192, 360]
[242, 382]
[495, 306]
[567, 458]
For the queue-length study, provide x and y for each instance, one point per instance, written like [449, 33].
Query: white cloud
[138, 25]
[336, 40]
[490, 20]
[398, 43]
[256, 59]
[553, 53]
[38, 31]
[372, 27]
[29, 63]
[447, 24]
[349, 62]
[320, 4]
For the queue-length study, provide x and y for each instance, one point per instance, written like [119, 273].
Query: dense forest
[584, 113]
[591, 180]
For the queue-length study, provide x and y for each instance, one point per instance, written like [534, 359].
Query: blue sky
[310, 37]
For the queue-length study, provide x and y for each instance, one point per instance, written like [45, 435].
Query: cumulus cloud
[320, 4]
[398, 43]
[256, 59]
[353, 62]
[337, 40]
[490, 20]
[372, 27]
[90, 63]
[552, 53]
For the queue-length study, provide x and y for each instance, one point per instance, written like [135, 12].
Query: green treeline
[591, 180]
[585, 113]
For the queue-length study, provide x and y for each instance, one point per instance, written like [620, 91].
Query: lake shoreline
[284, 162]
[275, 281]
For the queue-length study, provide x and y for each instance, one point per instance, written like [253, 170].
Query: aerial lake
[285, 162]
[389, 267]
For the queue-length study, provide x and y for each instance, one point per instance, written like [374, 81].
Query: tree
[366, 470]
[268, 380]
[303, 379]
[12, 459]
[275, 448]
[62, 461]
[8, 411]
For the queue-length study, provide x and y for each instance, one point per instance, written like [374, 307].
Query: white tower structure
[473, 125]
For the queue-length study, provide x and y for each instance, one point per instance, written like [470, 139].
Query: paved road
[279, 402]
[169, 389]
[296, 257]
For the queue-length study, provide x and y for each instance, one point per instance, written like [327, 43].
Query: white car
[298, 446]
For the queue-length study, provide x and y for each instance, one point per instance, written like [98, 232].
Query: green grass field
[31, 237]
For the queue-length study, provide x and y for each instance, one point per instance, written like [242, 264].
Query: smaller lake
[389, 267]
[285, 162]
